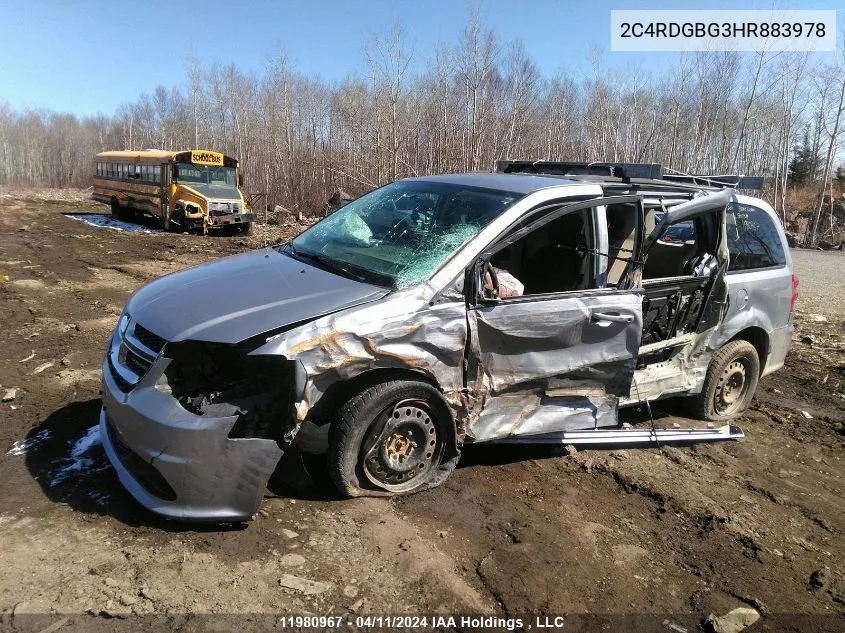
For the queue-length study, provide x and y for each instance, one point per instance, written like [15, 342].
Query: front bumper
[178, 464]
[226, 219]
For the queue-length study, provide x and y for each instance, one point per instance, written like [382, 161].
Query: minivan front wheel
[730, 382]
[390, 439]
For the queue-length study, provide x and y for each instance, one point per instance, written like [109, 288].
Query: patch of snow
[21, 447]
[108, 222]
[86, 442]
[79, 460]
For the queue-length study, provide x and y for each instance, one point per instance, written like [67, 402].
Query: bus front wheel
[178, 221]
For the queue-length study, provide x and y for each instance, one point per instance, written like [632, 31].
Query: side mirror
[240, 180]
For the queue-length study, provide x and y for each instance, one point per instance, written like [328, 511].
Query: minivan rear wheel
[730, 382]
[390, 439]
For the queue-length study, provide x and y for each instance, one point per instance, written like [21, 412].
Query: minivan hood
[235, 298]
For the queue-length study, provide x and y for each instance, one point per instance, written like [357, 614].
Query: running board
[632, 436]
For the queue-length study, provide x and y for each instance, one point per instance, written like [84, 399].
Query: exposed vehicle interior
[678, 271]
[677, 278]
[556, 257]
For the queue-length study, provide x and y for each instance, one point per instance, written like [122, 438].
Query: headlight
[123, 324]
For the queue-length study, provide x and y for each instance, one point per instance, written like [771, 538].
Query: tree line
[301, 139]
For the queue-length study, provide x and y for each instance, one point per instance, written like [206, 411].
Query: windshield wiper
[332, 265]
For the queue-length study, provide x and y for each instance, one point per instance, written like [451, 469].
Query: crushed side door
[548, 363]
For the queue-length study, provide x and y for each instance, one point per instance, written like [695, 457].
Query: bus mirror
[240, 180]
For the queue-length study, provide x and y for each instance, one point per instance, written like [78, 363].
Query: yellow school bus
[193, 191]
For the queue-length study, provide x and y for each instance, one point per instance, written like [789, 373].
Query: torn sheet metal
[696, 206]
[636, 436]
[532, 413]
[522, 342]
[405, 331]
[167, 468]
[549, 366]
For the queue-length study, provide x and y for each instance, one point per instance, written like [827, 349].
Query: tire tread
[348, 423]
[702, 404]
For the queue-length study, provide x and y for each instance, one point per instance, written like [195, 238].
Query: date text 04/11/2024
[422, 622]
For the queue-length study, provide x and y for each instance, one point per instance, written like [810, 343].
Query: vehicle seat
[559, 265]
[621, 230]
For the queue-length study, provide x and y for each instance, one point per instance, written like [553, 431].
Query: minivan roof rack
[723, 180]
[627, 171]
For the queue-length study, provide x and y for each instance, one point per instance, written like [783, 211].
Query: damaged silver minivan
[440, 311]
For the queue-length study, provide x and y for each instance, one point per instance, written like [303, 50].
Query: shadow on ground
[65, 455]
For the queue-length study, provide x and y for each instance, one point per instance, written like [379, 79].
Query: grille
[122, 384]
[132, 355]
[137, 363]
[148, 339]
[223, 208]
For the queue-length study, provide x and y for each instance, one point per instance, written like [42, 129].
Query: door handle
[613, 317]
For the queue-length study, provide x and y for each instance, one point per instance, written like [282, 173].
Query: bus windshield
[204, 175]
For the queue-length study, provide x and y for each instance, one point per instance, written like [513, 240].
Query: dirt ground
[636, 533]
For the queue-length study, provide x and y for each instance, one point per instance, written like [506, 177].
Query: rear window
[753, 239]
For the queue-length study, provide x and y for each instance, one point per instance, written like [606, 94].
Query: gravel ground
[821, 277]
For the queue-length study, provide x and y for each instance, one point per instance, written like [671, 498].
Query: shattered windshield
[400, 234]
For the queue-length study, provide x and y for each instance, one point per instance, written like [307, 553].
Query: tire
[420, 454]
[729, 384]
[245, 229]
[178, 221]
[116, 211]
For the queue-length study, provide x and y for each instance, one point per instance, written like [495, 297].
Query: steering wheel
[494, 280]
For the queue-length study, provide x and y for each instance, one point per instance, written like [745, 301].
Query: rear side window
[753, 239]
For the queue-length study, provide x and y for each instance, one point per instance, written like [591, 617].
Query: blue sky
[86, 56]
